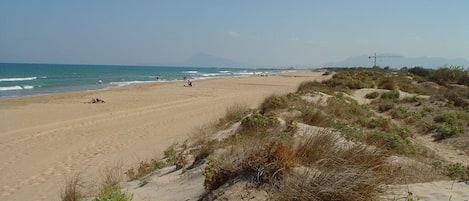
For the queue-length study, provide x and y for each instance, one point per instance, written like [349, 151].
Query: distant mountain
[398, 62]
[207, 60]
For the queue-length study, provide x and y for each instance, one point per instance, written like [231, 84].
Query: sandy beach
[45, 139]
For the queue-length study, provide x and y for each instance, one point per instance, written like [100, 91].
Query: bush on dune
[113, 193]
[336, 172]
[265, 163]
[257, 123]
[335, 184]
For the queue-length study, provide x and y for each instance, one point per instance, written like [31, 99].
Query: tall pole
[375, 56]
[375, 60]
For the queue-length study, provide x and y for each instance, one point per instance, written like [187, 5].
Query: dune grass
[348, 162]
[73, 189]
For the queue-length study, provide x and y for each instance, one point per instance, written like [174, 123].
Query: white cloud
[234, 34]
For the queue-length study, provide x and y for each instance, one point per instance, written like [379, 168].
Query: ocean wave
[12, 88]
[224, 71]
[210, 74]
[191, 71]
[28, 87]
[17, 79]
[244, 73]
[121, 84]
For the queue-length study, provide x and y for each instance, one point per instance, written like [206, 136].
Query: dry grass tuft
[269, 162]
[254, 160]
[338, 184]
[315, 117]
[315, 148]
[233, 114]
[113, 174]
[73, 189]
[338, 170]
[326, 149]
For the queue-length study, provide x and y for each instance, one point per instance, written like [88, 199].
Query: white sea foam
[224, 71]
[28, 87]
[121, 84]
[17, 79]
[10, 88]
[191, 71]
[244, 73]
[210, 74]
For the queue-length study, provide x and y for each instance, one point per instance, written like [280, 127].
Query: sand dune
[45, 139]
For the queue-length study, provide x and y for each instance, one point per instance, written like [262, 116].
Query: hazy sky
[271, 33]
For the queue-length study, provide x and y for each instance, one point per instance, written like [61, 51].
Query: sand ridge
[45, 139]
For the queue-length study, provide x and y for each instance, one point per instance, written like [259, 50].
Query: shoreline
[41, 79]
[108, 86]
[46, 139]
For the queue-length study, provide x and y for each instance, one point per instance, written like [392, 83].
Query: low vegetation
[73, 189]
[113, 193]
[295, 148]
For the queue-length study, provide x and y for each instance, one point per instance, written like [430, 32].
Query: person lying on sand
[96, 100]
[189, 83]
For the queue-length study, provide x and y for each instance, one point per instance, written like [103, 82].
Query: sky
[262, 33]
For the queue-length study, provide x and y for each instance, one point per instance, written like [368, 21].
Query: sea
[19, 80]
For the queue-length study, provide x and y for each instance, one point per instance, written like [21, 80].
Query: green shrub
[449, 118]
[347, 109]
[446, 131]
[387, 83]
[144, 168]
[274, 102]
[452, 74]
[314, 117]
[413, 99]
[290, 129]
[384, 106]
[308, 86]
[381, 123]
[457, 171]
[259, 123]
[416, 117]
[420, 71]
[457, 97]
[428, 109]
[216, 174]
[372, 95]
[390, 95]
[170, 155]
[401, 112]
[390, 141]
[351, 131]
[111, 193]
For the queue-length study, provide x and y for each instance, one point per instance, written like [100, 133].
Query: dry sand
[45, 139]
